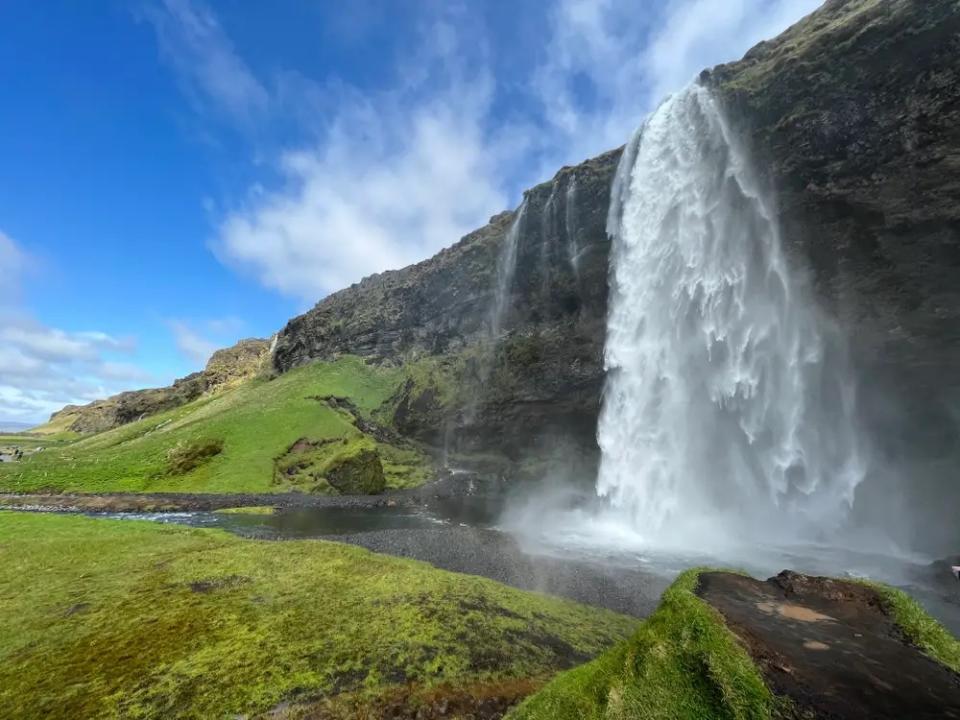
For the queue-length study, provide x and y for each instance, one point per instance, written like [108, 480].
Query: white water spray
[728, 409]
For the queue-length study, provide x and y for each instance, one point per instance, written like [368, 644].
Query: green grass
[256, 422]
[922, 630]
[114, 618]
[683, 662]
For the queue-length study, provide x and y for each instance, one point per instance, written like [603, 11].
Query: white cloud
[191, 343]
[44, 368]
[397, 177]
[191, 39]
[197, 340]
[608, 65]
[398, 174]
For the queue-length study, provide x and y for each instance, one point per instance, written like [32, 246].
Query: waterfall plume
[728, 407]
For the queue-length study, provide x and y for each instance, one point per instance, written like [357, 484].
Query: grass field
[115, 618]
[252, 425]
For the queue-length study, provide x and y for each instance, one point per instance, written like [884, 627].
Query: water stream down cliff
[728, 407]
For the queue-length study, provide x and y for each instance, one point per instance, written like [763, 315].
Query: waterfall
[728, 407]
[506, 269]
[570, 222]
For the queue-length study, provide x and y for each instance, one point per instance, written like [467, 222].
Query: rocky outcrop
[225, 369]
[545, 372]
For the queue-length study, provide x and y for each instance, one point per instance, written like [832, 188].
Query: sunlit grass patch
[114, 618]
[255, 422]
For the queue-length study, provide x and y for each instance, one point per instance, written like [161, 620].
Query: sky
[180, 174]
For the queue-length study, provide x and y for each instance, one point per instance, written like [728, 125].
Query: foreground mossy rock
[724, 645]
[348, 466]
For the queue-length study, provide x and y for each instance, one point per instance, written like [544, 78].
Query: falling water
[728, 407]
[506, 269]
[570, 217]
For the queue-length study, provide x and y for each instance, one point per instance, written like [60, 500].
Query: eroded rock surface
[829, 646]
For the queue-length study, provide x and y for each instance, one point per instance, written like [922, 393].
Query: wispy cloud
[43, 368]
[197, 340]
[397, 176]
[191, 343]
[212, 73]
[390, 177]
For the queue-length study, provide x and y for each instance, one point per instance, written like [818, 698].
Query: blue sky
[179, 174]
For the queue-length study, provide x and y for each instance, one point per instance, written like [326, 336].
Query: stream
[554, 549]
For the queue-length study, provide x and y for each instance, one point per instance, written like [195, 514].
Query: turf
[683, 662]
[922, 630]
[119, 618]
[253, 425]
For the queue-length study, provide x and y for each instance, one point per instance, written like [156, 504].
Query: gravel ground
[497, 556]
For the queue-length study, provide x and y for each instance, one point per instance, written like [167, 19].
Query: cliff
[224, 369]
[544, 372]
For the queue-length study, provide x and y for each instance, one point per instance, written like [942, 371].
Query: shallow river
[550, 552]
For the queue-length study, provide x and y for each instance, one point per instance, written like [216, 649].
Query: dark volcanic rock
[831, 648]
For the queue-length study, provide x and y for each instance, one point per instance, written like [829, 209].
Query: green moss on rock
[347, 466]
[683, 662]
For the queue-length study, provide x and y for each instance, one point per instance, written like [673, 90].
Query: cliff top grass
[225, 443]
[683, 662]
[119, 618]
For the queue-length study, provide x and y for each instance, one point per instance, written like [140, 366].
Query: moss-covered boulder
[356, 473]
[724, 645]
[344, 466]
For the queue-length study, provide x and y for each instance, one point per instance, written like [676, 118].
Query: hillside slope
[225, 369]
[263, 436]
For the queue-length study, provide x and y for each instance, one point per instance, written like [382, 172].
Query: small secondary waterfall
[506, 269]
[570, 221]
[728, 408]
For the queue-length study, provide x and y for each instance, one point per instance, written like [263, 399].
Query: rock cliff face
[225, 368]
[855, 115]
[543, 373]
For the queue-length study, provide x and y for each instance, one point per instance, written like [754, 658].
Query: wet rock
[360, 473]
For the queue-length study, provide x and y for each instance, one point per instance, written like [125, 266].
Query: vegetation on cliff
[235, 441]
[115, 618]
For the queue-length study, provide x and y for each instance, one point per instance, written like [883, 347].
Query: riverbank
[108, 618]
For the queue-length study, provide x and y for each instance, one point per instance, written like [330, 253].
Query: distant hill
[9, 426]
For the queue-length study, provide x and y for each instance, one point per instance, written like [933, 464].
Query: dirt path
[828, 646]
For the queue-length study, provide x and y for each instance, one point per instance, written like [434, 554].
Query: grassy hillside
[227, 443]
[113, 618]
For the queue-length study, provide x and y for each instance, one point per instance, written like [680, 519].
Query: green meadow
[119, 618]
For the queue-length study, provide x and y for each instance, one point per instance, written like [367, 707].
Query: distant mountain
[9, 426]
